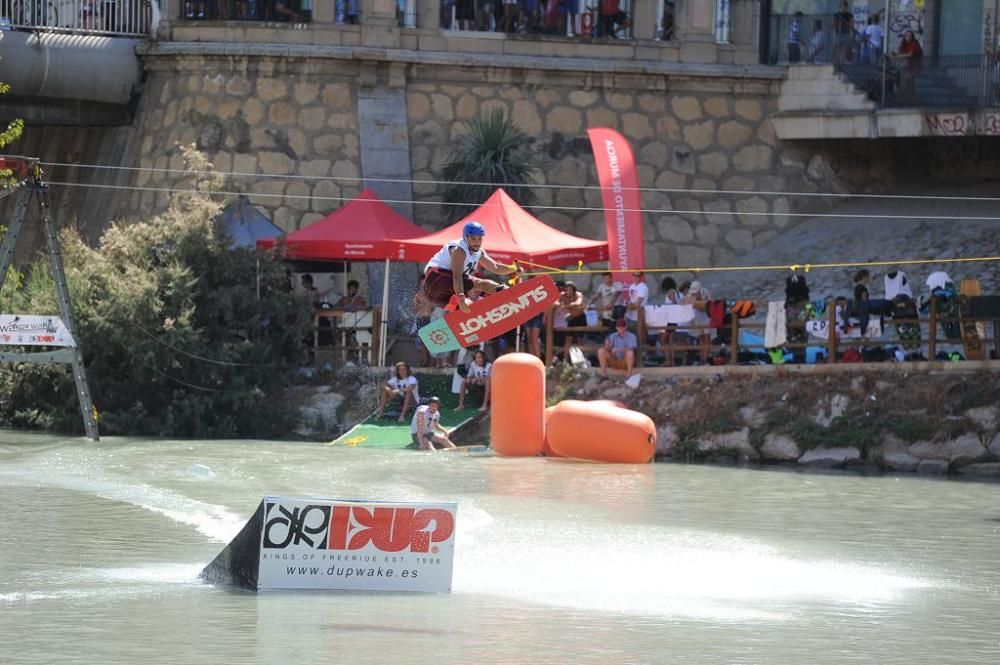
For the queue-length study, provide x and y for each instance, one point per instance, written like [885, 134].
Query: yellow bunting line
[804, 267]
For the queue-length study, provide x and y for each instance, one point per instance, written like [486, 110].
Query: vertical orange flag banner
[620, 194]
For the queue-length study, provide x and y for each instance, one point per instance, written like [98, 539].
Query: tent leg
[517, 340]
[384, 323]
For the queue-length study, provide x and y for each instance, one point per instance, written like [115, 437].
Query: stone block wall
[294, 121]
[294, 127]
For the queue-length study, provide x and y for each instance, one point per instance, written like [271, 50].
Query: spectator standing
[570, 312]
[670, 297]
[873, 39]
[861, 279]
[465, 14]
[531, 16]
[843, 28]
[619, 350]
[426, 431]
[508, 21]
[667, 22]
[910, 51]
[479, 376]
[401, 385]
[698, 296]
[817, 44]
[635, 298]
[795, 39]
[604, 299]
[611, 14]
[312, 295]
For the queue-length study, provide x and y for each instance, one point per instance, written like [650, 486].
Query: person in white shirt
[478, 375]
[873, 39]
[635, 297]
[426, 431]
[401, 385]
[604, 297]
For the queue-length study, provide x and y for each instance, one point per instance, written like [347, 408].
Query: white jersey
[402, 384]
[477, 372]
[442, 260]
[431, 418]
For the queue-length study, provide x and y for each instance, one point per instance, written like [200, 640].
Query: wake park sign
[34, 330]
[303, 543]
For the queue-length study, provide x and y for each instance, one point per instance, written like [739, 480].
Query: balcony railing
[289, 11]
[108, 17]
[568, 18]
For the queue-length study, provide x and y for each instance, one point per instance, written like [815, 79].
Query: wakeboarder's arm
[498, 268]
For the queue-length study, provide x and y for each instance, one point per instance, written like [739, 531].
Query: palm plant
[494, 152]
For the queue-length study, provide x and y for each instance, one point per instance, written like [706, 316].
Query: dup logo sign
[358, 545]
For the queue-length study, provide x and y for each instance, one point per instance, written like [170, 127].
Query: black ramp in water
[239, 563]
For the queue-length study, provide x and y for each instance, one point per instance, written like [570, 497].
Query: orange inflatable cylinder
[546, 448]
[517, 405]
[601, 432]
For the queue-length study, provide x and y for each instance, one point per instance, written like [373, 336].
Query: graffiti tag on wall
[989, 124]
[947, 124]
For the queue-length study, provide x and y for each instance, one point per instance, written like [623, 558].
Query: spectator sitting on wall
[426, 430]
[402, 385]
[619, 350]
[477, 378]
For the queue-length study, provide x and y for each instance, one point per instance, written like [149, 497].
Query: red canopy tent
[512, 233]
[359, 231]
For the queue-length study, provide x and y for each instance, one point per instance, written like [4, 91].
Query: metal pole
[384, 323]
[885, 53]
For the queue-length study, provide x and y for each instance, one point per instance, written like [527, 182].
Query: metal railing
[936, 337]
[954, 81]
[109, 17]
[289, 11]
[567, 18]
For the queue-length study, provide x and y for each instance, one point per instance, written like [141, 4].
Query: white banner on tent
[358, 545]
[34, 330]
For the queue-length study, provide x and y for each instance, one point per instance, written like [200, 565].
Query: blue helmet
[473, 229]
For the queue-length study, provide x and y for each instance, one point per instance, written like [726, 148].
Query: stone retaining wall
[296, 120]
[927, 422]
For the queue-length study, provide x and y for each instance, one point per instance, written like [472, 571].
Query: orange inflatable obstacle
[546, 448]
[600, 431]
[517, 409]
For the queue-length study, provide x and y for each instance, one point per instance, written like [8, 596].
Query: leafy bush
[175, 340]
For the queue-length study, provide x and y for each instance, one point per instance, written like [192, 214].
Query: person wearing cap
[426, 430]
[619, 350]
[450, 272]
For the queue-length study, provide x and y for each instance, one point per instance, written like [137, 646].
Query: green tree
[10, 134]
[493, 152]
[175, 340]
